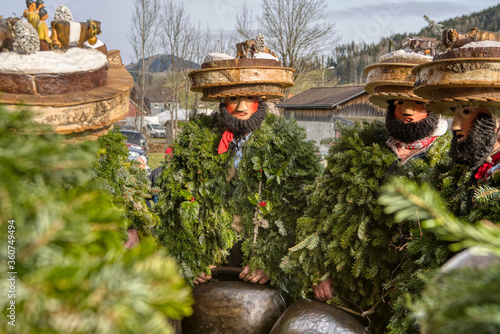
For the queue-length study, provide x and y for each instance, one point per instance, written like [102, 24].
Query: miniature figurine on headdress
[39, 5]
[452, 39]
[31, 14]
[43, 31]
[423, 44]
[65, 31]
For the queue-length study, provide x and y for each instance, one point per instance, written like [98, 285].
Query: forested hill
[350, 59]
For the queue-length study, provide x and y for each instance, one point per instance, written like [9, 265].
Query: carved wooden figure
[424, 44]
[245, 49]
[31, 14]
[43, 31]
[75, 32]
[248, 48]
[477, 35]
[39, 5]
[453, 39]
[6, 36]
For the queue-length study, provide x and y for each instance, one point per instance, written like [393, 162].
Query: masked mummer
[360, 250]
[412, 129]
[255, 167]
[476, 142]
[465, 83]
[240, 85]
[390, 83]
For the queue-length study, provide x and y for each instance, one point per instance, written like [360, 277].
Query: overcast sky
[355, 20]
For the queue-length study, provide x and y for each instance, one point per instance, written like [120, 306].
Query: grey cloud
[444, 9]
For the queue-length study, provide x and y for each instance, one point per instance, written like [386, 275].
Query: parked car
[135, 137]
[155, 130]
[134, 151]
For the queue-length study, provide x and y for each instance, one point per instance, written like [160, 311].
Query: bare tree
[178, 41]
[142, 37]
[203, 45]
[296, 30]
[244, 23]
[226, 43]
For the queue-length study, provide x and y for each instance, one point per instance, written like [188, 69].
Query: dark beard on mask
[410, 132]
[240, 127]
[475, 149]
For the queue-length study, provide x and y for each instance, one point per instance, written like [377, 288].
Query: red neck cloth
[481, 172]
[227, 137]
[420, 143]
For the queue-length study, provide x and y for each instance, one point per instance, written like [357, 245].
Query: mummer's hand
[324, 290]
[256, 276]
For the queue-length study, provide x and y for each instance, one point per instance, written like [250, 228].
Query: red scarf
[483, 170]
[420, 143]
[227, 137]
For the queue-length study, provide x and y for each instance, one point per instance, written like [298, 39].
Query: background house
[156, 98]
[319, 109]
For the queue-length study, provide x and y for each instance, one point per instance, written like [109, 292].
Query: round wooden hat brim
[388, 74]
[220, 82]
[462, 73]
[89, 112]
[382, 99]
[443, 106]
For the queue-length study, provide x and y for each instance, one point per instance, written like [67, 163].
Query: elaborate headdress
[256, 73]
[469, 75]
[392, 78]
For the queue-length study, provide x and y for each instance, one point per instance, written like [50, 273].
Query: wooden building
[319, 109]
[157, 99]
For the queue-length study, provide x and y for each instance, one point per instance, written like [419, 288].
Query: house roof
[156, 93]
[323, 97]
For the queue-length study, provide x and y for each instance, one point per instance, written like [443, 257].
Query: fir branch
[436, 28]
[486, 194]
[405, 198]
[73, 271]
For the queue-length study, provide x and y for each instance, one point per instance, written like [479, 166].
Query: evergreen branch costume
[347, 236]
[195, 223]
[197, 202]
[469, 198]
[123, 179]
[279, 165]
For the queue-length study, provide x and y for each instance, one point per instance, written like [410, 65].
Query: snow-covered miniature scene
[73, 60]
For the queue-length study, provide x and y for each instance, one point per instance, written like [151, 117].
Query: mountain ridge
[350, 59]
[159, 63]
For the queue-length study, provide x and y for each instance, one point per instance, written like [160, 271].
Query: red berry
[192, 199]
